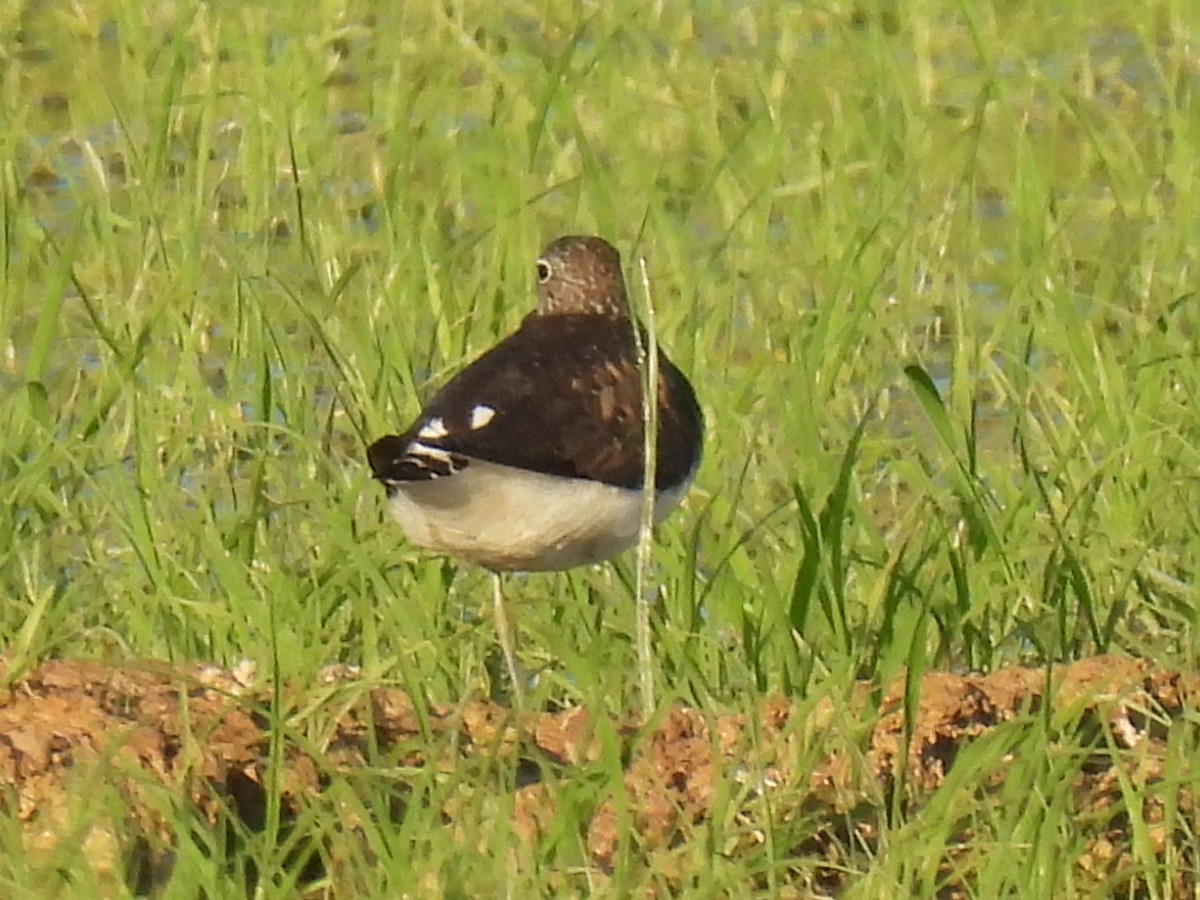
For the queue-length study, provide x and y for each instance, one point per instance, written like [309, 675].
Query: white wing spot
[480, 416]
[425, 451]
[434, 429]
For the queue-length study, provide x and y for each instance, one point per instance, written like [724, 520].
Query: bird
[532, 457]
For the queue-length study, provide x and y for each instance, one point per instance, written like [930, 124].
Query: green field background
[931, 268]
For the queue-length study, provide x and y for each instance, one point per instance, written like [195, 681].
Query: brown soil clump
[841, 766]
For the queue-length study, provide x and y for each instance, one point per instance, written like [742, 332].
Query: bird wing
[560, 396]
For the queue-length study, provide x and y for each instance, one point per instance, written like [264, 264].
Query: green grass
[932, 270]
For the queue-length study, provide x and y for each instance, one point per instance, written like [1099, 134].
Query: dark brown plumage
[567, 398]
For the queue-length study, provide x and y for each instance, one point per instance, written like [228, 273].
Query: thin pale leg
[504, 631]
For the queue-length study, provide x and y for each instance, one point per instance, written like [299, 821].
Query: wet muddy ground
[203, 734]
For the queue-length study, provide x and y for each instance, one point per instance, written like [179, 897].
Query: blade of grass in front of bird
[647, 350]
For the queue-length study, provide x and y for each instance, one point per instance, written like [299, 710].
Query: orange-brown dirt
[201, 732]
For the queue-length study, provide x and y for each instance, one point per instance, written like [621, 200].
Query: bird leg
[504, 632]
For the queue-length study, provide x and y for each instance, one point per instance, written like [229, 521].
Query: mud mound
[203, 733]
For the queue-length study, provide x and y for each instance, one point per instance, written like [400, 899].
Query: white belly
[505, 518]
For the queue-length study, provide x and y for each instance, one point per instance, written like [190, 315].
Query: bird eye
[543, 271]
